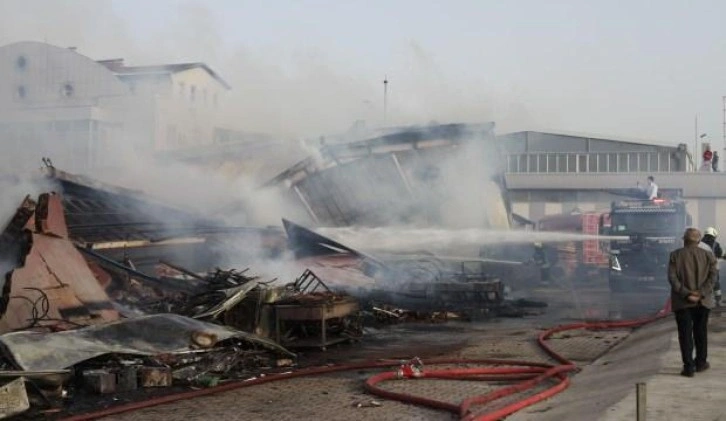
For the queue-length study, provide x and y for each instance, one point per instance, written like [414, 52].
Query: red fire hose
[537, 374]
[528, 374]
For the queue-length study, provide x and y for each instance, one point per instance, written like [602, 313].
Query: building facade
[81, 113]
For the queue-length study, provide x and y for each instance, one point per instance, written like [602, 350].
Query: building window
[22, 92]
[67, 90]
[21, 63]
[192, 93]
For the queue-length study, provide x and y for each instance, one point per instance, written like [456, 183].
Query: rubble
[201, 297]
[99, 381]
[422, 283]
[293, 314]
[155, 376]
[412, 287]
[108, 292]
[141, 352]
[153, 335]
[64, 335]
[307, 309]
[13, 398]
[387, 314]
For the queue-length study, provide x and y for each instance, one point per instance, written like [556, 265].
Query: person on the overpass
[651, 189]
[707, 157]
[710, 243]
[714, 161]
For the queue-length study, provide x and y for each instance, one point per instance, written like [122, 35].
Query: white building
[57, 103]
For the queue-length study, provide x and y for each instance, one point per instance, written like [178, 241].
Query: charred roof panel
[118, 67]
[388, 179]
[100, 213]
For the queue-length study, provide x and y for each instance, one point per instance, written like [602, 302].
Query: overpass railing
[597, 162]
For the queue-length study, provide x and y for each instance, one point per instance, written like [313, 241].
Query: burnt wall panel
[367, 191]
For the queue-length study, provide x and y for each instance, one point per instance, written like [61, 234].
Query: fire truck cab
[644, 233]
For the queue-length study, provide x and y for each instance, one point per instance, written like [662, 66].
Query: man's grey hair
[692, 236]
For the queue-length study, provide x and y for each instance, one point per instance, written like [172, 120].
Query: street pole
[385, 100]
[695, 139]
[641, 405]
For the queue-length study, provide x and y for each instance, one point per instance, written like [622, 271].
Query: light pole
[385, 100]
[697, 136]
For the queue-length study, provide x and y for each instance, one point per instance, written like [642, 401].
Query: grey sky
[630, 68]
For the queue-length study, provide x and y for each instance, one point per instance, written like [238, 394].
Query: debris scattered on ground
[105, 297]
[368, 404]
[386, 314]
[160, 334]
[13, 398]
[142, 352]
[314, 316]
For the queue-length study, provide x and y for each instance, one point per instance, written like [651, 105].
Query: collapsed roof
[419, 175]
[118, 67]
[127, 224]
[99, 213]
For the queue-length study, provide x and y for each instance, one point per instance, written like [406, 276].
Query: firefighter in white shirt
[651, 189]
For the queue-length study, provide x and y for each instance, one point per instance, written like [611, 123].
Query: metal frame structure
[329, 187]
[591, 162]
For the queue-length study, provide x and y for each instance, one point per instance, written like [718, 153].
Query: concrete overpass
[537, 194]
[550, 173]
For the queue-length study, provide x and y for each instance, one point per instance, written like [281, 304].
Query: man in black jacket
[692, 273]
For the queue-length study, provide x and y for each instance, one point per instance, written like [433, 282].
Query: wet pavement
[337, 396]
[341, 396]
[670, 396]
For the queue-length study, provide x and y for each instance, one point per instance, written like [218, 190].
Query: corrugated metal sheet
[54, 283]
[96, 212]
[147, 335]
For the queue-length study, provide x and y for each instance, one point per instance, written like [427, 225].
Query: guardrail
[596, 162]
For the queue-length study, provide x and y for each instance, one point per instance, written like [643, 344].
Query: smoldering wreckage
[108, 292]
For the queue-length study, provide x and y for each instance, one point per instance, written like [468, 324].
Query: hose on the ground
[529, 374]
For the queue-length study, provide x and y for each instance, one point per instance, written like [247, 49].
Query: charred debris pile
[107, 291]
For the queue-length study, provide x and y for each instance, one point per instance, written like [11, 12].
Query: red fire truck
[577, 260]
